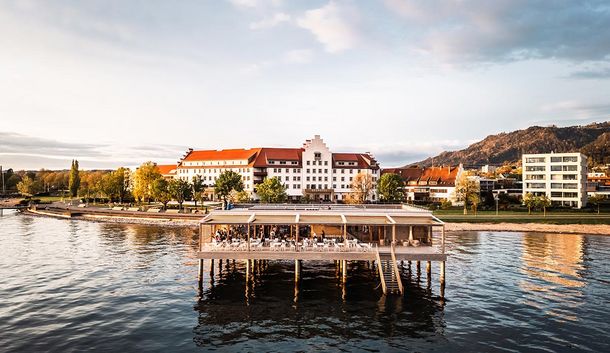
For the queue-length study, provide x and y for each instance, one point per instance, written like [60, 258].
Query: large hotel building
[312, 171]
[560, 176]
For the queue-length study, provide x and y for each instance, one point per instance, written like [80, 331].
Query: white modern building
[312, 171]
[560, 176]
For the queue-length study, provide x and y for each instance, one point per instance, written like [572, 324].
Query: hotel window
[334, 178]
[536, 168]
[282, 162]
[537, 185]
[307, 162]
[334, 170]
[307, 178]
[570, 194]
[325, 178]
[351, 171]
[342, 178]
[569, 177]
[294, 170]
[556, 186]
[325, 186]
[319, 186]
[535, 160]
[287, 170]
[317, 155]
[325, 162]
[313, 171]
[570, 168]
[570, 186]
[350, 178]
[308, 170]
[570, 159]
[535, 177]
[556, 194]
[334, 186]
[554, 168]
[325, 170]
[342, 171]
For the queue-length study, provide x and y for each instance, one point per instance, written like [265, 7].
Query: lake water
[70, 285]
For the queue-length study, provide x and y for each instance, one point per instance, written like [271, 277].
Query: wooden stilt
[442, 276]
[297, 270]
[418, 265]
[344, 270]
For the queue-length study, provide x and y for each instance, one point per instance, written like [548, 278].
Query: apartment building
[430, 184]
[560, 176]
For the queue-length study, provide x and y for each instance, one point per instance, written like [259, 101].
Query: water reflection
[552, 266]
[271, 307]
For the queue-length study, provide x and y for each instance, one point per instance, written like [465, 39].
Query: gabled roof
[221, 155]
[278, 154]
[167, 169]
[440, 175]
[363, 160]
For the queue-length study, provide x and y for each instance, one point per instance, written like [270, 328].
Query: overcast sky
[120, 82]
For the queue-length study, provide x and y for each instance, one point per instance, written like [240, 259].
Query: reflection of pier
[383, 236]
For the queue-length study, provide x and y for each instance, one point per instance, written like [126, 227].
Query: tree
[465, 187]
[271, 190]
[243, 196]
[474, 200]
[179, 190]
[529, 200]
[26, 186]
[362, 185]
[197, 187]
[389, 188]
[74, 182]
[120, 179]
[227, 182]
[143, 180]
[596, 200]
[160, 191]
[543, 202]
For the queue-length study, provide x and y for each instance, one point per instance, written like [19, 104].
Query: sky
[117, 83]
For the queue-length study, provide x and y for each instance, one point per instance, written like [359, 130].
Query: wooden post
[393, 234]
[344, 268]
[418, 265]
[370, 234]
[247, 272]
[297, 270]
[442, 275]
[430, 235]
[410, 233]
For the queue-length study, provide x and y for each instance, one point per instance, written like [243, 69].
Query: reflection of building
[431, 184]
[559, 176]
[312, 171]
[557, 260]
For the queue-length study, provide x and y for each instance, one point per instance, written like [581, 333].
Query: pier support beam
[297, 270]
[344, 270]
[442, 276]
[429, 269]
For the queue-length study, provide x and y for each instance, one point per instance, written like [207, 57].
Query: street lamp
[497, 198]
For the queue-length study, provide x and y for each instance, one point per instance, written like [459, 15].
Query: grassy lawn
[552, 217]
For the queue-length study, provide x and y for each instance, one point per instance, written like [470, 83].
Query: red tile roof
[363, 160]
[167, 169]
[221, 155]
[441, 175]
[278, 154]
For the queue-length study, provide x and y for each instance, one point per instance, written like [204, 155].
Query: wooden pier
[384, 236]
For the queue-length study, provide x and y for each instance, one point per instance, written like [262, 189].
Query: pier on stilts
[385, 236]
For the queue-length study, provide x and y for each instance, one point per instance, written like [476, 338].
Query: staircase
[389, 274]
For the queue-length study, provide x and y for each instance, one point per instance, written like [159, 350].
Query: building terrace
[384, 234]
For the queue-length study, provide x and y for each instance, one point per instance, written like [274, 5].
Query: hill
[592, 140]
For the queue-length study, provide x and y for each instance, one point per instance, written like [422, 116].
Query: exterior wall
[316, 177]
[560, 176]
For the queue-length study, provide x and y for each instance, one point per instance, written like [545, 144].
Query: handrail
[380, 268]
[395, 269]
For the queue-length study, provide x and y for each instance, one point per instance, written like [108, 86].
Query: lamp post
[497, 198]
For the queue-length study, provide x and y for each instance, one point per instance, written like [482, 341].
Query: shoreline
[592, 229]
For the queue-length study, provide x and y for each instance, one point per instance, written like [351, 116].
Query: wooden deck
[421, 253]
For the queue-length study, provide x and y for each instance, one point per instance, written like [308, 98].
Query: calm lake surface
[82, 286]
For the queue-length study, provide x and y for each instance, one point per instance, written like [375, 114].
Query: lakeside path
[595, 229]
[191, 222]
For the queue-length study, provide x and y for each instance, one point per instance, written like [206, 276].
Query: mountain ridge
[506, 147]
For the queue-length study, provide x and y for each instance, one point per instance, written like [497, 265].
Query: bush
[445, 205]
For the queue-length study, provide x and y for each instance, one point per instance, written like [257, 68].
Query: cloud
[252, 4]
[21, 151]
[505, 30]
[333, 26]
[298, 56]
[574, 111]
[594, 74]
[270, 22]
